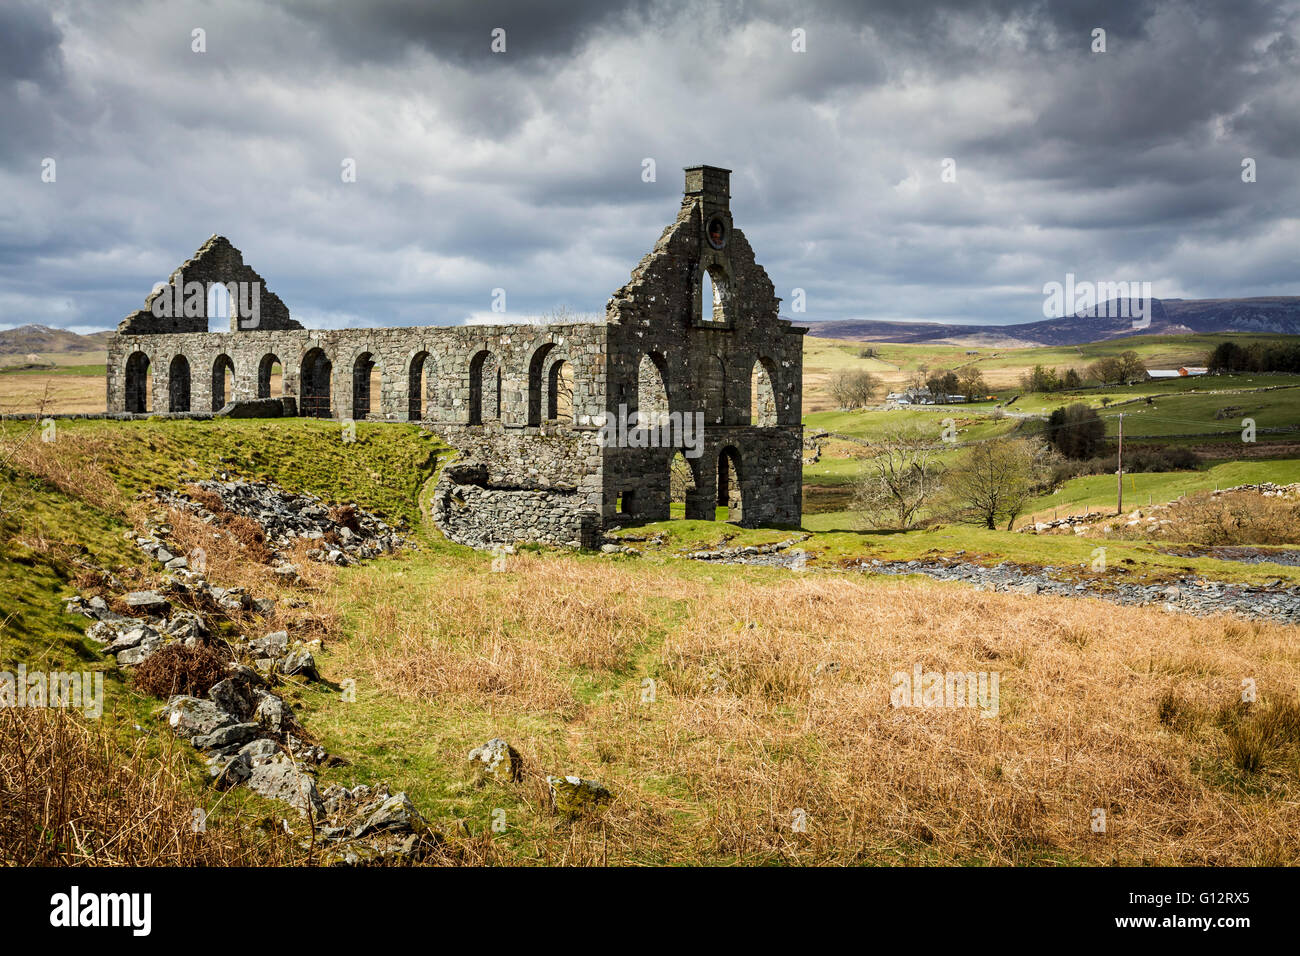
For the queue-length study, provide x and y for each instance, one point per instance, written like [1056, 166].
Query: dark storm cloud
[30, 64]
[460, 30]
[29, 44]
[523, 170]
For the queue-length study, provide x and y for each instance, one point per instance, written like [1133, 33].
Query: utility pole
[1119, 471]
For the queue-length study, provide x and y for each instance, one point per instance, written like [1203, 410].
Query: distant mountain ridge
[41, 339]
[1279, 315]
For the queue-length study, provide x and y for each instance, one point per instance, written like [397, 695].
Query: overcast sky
[523, 170]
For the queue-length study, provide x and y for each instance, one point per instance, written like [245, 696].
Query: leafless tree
[898, 480]
[996, 479]
[852, 389]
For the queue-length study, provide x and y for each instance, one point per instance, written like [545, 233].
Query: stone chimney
[712, 184]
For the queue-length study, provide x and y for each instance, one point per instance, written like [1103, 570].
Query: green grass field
[382, 471]
[1205, 412]
[972, 423]
[555, 654]
[1003, 365]
[97, 370]
[1078, 494]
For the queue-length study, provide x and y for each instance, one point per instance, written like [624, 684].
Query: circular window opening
[716, 231]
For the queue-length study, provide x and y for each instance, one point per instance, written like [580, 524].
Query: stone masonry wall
[708, 359]
[525, 354]
[215, 262]
[523, 474]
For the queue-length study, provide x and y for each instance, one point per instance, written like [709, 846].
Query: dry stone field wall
[716, 376]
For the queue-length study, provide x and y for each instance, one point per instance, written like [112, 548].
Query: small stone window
[715, 231]
[715, 296]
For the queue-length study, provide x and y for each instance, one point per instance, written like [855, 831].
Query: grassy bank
[719, 704]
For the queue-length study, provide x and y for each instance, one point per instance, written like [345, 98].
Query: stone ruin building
[524, 405]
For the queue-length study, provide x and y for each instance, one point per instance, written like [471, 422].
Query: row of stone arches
[684, 475]
[139, 384]
[551, 383]
[683, 480]
[550, 387]
[653, 401]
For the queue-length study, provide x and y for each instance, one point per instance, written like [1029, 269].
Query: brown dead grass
[751, 723]
[178, 669]
[1233, 518]
[475, 637]
[74, 464]
[236, 555]
[73, 795]
[55, 392]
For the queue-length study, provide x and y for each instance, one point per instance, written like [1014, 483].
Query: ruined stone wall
[708, 358]
[505, 487]
[216, 262]
[524, 354]
[532, 464]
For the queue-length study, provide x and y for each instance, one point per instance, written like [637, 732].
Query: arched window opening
[219, 308]
[139, 387]
[652, 392]
[223, 382]
[270, 377]
[559, 393]
[417, 388]
[178, 385]
[681, 485]
[762, 394]
[484, 388]
[314, 398]
[539, 400]
[366, 386]
[715, 296]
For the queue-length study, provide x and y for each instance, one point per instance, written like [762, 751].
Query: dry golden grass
[53, 393]
[750, 723]
[235, 554]
[75, 796]
[74, 464]
[1233, 518]
[474, 637]
[1126, 709]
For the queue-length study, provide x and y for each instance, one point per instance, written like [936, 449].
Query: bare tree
[852, 389]
[1118, 369]
[996, 479]
[902, 475]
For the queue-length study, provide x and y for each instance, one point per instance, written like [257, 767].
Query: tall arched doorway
[270, 377]
[681, 485]
[730, 495]
[223, 382]
[417, 387]
[314, 398]
[484, 388]
[178, 385]
[138, 391]
[366, 386]
[559, 392]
